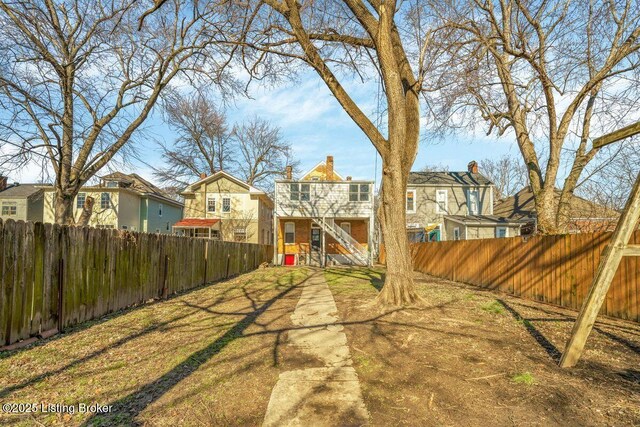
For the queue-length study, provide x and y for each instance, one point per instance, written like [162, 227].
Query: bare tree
[339, 40]
[264, 155]
[548, 73]
[507, 173]
[77, 79]
[204, 143]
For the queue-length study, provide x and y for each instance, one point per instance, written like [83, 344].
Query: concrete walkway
[326, 395]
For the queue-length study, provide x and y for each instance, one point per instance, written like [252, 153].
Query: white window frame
[359, 192]
[160, 209]
[105, 204]
[456, 230]
[11, 209]
[506, 232]
[348, 224]
[406, 201]
[81, 196]
[211, 199]
[300, 192]
[226, 209]
[477, 193]
[293, 224]
[439, 209]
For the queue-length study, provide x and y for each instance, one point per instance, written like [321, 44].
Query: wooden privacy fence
[55, 276]
[552, 269]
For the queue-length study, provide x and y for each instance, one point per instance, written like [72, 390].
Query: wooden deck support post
[617, 248]
[610, 261]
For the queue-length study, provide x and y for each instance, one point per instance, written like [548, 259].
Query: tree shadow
[125, 410]
[547, 345]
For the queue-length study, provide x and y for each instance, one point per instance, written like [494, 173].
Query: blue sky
[315, 125]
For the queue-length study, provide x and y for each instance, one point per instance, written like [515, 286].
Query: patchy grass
[493, 307]
[523, 378]
[455, 361]
[208, 357]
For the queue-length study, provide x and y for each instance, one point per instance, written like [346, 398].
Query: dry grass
[476, 357]
[209, 357]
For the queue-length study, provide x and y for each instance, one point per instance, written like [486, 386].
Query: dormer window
[112, 184]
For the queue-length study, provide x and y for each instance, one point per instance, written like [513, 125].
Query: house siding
[473, 232]
[152, 221]
[21, 209]
[327, 200]
[457, 202]
[249, 211]
[100, 216]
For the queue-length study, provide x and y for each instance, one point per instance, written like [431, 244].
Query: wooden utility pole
[611, 257]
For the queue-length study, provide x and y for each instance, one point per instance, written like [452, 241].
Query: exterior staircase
[359, 253]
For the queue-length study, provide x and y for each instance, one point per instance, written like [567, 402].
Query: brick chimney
[3, 182]
[288, 172]
[472, 167]
[329, 168]
[203, 175]
[348, 178]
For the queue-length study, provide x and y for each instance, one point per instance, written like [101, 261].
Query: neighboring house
[323, 218]
[21, 201]
[224, 207]
[584, 216]
[454, 206]
[125, 202]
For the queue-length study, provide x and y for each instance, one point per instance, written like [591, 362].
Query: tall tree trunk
[546, 210]
[63, 207]
[398, 289]
[87, 210]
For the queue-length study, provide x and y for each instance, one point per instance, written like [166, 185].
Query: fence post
[226, 275]
[164, 277]
[206, 257]
[60, 294]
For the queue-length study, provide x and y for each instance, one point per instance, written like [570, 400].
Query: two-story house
[122, 201]
[221, 206]
[454, 206]
[21, 202]
[323, 219]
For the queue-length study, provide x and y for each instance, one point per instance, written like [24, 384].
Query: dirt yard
[480, 358]
[209, 357]
[213, 356]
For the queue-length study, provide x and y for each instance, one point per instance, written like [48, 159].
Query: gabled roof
[136, 182]
[448, 178]
[522, 205]
[20, 191]
[321, 169]
[218, 175]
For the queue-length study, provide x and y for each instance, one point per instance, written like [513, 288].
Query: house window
[226, 204]
[411, 201]
[211, 204]
[105, 201]
[473, 202]
[501, 232]
[358, 192]
[160, 208]
[112, 184]
[441, 201]
[456, 233]
[80, 199]
[300, 192]
[346, 226]
[240, 234]
[289, 233]
[9, 209]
